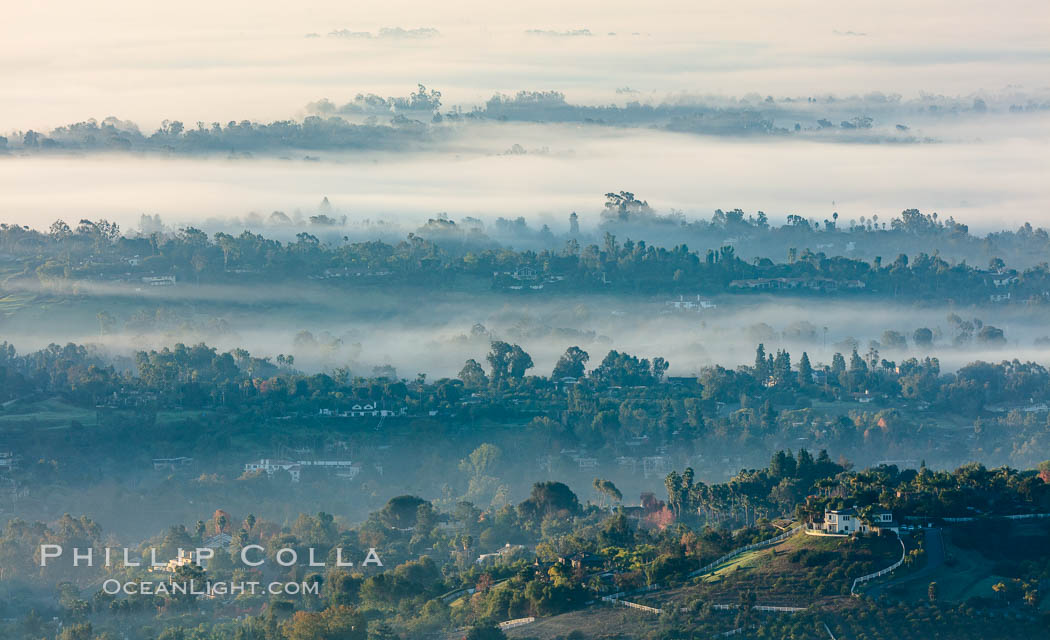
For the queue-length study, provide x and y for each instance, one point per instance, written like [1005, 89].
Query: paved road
[934, 559]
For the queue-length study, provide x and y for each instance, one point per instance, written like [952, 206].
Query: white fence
[751, 547]
[813, 531]
[878, 574]
[962, 519]
[510, 624]
[615, 599]
[735, 631]
[634, 605]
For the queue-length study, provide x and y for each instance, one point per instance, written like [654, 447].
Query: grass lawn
[594, 621]
[46, 414]
[770, 573]
[800, 571]
[743, 562]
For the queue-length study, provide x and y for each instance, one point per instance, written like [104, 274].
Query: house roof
[220, 540]
[851, 511]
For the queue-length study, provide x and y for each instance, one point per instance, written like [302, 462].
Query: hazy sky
[195, 60]
[67, 61]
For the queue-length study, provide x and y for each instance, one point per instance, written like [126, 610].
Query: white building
[271, 467]
[364, 410]
[690, 304]
[185, 557]
[848, 521]
[656, 466]
[171, 464]
[505, 552]
[841, 521]
[340, 468]
[524, 273]
[586, 464]
[7, 460]
[190, 556]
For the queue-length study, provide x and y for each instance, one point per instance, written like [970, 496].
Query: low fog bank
[367, 330]
[987, 184]
[421, 121]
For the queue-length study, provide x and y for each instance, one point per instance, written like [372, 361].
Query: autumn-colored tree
[221, 519]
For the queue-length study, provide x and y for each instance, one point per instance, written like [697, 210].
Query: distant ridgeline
[401, 123]
[235, 139]
[446, 255]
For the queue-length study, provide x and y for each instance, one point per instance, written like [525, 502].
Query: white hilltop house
[848, 521]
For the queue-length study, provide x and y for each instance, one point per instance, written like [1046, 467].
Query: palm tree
[606, 490]
[673, 484]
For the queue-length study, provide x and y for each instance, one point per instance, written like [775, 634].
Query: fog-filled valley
[367, 314]
[552, 321]
[434, 332]
[982, 167]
